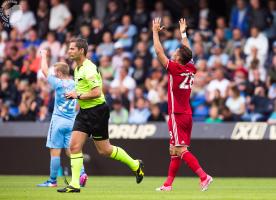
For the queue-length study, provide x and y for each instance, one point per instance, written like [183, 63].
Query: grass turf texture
[120, 188]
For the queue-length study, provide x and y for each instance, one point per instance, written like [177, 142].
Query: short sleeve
[228, 103]
[66, 12]
[92, 76]
[172, 67]
[32, 21]
[242, 100]
[132, 31]
[176, 68]
[118, 30]
[53, 81]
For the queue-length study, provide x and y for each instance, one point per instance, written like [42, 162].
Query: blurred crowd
[235, 56]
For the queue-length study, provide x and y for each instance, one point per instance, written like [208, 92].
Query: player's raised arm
[182, 28]
[156, 41]
[44, 62]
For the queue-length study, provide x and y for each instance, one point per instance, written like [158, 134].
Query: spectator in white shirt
[219, 83]
[258, 41]
[60, 17]
[125, 82]
[120, 54]
[236, 103]
[23, 19]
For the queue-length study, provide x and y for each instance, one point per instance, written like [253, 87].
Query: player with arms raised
[181, 71]
[63, 117]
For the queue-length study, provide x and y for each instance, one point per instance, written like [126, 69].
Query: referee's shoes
[69, 189]
[139, 172]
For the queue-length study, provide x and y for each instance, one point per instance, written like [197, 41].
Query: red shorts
[180, 129]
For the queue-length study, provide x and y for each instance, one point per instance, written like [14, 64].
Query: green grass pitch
[120, 188]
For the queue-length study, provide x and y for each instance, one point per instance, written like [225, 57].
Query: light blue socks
[54, 166]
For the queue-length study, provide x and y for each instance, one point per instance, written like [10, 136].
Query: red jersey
[180, 81]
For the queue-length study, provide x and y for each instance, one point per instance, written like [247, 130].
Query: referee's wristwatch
[78, 96]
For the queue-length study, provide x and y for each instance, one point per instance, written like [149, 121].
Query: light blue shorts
[59, 133]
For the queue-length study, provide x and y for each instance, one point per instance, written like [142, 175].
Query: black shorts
[93, 121]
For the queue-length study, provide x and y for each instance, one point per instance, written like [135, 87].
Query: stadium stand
[235, 55]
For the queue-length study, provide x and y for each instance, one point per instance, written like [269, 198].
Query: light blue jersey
[63, 115]
[63, 107]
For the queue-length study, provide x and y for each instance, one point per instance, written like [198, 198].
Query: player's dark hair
[81, 44]
[185, 54]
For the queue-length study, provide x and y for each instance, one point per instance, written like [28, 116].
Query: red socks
[173, 168]
[193, 164]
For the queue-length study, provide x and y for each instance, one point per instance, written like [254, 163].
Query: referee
[92, 118]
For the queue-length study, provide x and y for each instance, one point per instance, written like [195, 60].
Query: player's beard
[72, 57]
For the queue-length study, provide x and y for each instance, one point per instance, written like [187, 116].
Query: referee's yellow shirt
[86, 78]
